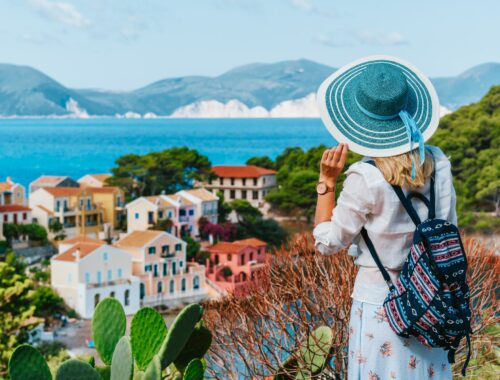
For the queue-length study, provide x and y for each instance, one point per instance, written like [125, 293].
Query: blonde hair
[397, 169]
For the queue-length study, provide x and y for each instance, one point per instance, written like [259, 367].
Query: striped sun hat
[380, 106]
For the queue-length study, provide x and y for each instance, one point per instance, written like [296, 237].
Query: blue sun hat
[380, 106]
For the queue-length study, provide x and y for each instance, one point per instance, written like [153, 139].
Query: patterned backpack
[430, 300]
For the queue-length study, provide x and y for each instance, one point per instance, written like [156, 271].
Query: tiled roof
[13, 208]
[237, 245]
[105, 189]
[180, 198]
[247, 171]
[138, 238]
[203, 194]
[81, 239]
[5, 186]
[45, 209]
[48, 180]
[160, 200]
[101, 177]
[254, 242]
[72, 191]
[85, 250]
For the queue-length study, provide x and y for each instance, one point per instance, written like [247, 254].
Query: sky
[126, 44]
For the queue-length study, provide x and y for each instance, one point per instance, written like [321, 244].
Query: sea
[74, 147]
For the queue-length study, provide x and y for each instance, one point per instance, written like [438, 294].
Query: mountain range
[283, 89]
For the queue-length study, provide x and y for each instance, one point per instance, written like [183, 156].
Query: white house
[94, 180]
[89, 271]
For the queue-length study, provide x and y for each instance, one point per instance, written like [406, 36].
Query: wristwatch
[322, 188]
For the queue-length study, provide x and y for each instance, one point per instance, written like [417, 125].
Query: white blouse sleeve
[349, 215]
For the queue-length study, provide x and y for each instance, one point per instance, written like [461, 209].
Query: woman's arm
[332, 164]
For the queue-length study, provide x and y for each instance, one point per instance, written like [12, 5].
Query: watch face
[321, 188]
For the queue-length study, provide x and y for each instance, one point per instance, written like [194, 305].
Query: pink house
[233, 266]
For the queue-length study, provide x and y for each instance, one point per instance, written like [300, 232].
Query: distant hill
[277, 89]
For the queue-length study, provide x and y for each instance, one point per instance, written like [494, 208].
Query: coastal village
[99, 245]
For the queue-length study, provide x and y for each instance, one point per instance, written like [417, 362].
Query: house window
[243, 194]
[110, 274]
[255, 181]
[244, 180]
[232, 181]
[58, 205]
[170, 214]
[151, 217]
[182, 212]
[65, 205]
[255, 194]
[89, 206]
[136, 215]
[112, 294]
[183, 285]
[221, 181]
[120, 273]
[232, 194]
[87, 277]
[155, 273]
[178, 247]
[191, 212]
[229, 257]
[81, 202]
[242, 259]
[105, 256]
[174, 269]
[148, 268]
[118, 201]
[160, 287]
[25, 216]
[160, 214]
[152, 250]
[99, 277]
[181, 264]
[165, 266]
[5, 217]
[251, 256]
[142, 291]
[126, 298]
[97, 298]
[172, 286]
[196, 282]
[165, 249]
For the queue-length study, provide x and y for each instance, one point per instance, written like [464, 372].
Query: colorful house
[86, 271]
[206, 203]
[15, 214]
[81, 211]
[233, 266]
[159, 261]
[94, 180]
[12, 193]
[145, 212]
[248, 182]
[52, 181]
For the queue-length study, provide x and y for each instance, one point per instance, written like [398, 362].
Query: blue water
[32, 147]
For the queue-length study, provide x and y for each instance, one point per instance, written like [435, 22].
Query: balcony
[184, 219]
[104, 284]
[167, 255]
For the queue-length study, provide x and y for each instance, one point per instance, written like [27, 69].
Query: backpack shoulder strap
[375, 257]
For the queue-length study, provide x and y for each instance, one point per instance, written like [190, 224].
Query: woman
[385, 109]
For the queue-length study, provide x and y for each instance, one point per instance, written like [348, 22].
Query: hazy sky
[125, 44]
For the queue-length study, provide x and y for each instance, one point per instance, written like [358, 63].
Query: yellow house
[82, 211]
[12, 193]
[159, 261]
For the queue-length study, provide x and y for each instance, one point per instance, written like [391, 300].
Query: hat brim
[368, 136]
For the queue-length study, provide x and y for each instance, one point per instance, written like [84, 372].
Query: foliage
[470, 136]
[153, 352]
[262, 162]
[226, 272]
[162, 225]
[193, 248]
[33, 231]
[47, 302]
[152, 173]
[224, 231]
[16, 291]
[263, 334]
[251, 223]
[57, 228]
[223, 208]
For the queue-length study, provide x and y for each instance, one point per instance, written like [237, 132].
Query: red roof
[13, 208]
[236, 246]
[247, 171]
[254, 242]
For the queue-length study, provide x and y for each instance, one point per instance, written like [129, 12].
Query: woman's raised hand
[332, 164]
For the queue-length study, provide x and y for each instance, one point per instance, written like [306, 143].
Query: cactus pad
[198, 344]
[27, 363]
[122, 364]
[108, 326]
[315, 350]
[147, 332]
[105, 372]
[74, 369]
[194, 371]
[153, 372]
[179, 333]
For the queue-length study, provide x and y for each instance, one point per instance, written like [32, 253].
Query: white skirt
[377, 353]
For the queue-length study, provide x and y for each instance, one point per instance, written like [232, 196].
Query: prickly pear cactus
[194, 371]
[74, 369]
[147, 333]
[26, 363]
[196, 347]
[122, 363]
[314, 351]
[179, 333]
[104, 372]
[153, 372]
[108, 326]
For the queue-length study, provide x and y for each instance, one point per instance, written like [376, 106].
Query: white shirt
[368, 200]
